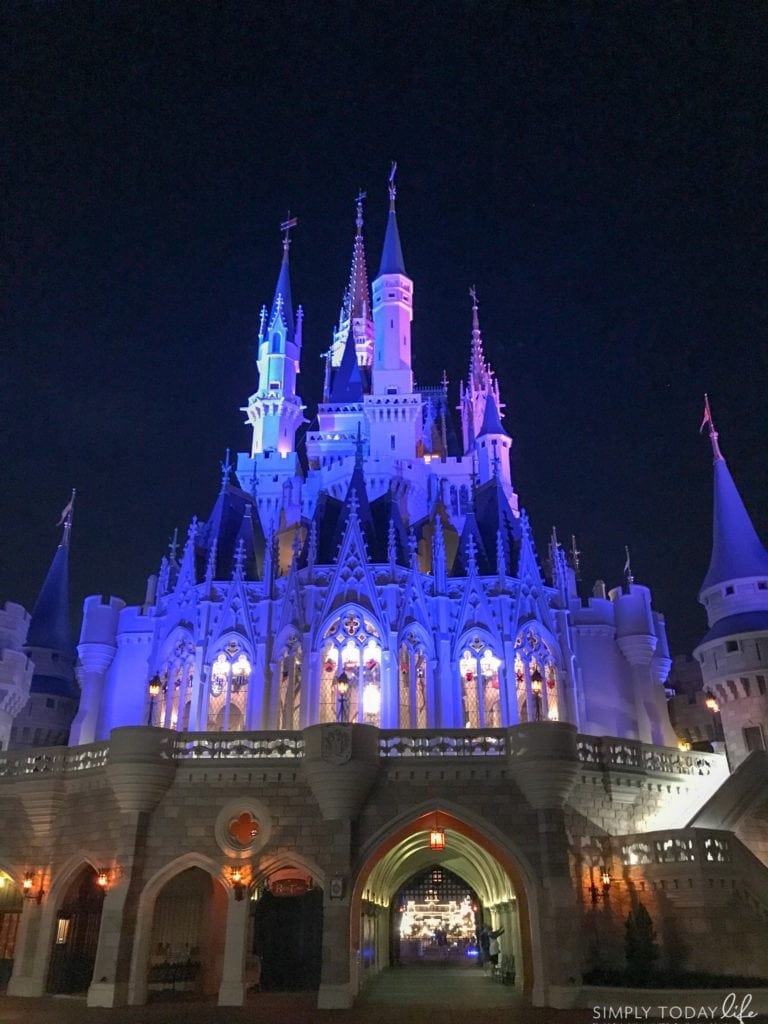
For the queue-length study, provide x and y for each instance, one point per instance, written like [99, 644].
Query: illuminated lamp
[102, 879]
[371, 700]
[436, 837]
[238, 886]
[536, 681]
[711, 702]
[28, 886]
[155, 685]
[684, 745]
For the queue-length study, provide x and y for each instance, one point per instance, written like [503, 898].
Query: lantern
[437, 838]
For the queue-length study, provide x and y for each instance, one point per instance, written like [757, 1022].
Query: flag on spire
[66, 512]
[707, 421]
[707, 414]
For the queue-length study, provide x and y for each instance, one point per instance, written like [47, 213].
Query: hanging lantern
[437, 838]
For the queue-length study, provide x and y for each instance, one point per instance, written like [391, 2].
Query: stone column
[140, 768]
[30, 960]
[232, 988]
[341, 765]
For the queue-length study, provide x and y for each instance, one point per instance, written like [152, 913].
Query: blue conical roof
[491, 419]
[49, 626]
[736, 549]
[392, 254]
[282, 302]
[347, 382]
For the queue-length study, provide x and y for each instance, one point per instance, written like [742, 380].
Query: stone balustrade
[603, 753]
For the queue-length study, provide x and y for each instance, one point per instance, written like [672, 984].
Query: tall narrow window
[480, 686]
[350, 684]
[289, 692]
[230, 676]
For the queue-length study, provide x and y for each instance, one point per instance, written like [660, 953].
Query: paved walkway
[439, 993]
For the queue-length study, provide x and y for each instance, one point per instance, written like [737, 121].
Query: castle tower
[275, 410]
[15, 667]
[481, 383]
[355, 315]
[54, 693]
[393, 408]
[734, 653]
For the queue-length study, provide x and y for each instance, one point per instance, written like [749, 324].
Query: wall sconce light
[102, 878]
[684, 745]
[238, 885]
[598, 894]
[711, 702]
[28, 887]
[155, 686]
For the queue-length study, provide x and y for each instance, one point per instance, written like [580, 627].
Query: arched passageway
[11, 902]
[76, 935]
[435, 916]
[186, 948]
[495, 886]
[287, 937]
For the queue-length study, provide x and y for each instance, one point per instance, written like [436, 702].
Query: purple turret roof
[49, 627]
[392, 261]
[491, 419]
[736, 549]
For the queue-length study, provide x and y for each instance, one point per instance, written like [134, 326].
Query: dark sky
[596, 169]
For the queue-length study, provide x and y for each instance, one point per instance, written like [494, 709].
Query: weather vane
[392, 186]
[286, 226]
[473, 295]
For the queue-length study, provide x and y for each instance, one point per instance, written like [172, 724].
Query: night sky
[596, 169]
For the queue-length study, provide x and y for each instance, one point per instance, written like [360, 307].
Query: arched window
[289, 684]
[176, 673]
[350, 685]
[480, 686]
[412, 684]
[230, 676]
[536, 678]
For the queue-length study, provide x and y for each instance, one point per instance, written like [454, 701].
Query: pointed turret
[347, 387]
[275, 410]
[355, 316]
[54, 693]
[736, 583]
[392, 261]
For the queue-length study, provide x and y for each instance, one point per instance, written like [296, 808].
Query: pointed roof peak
[737, 552]
[491, 419]
[357, 300]
[49, 626]
[282, 304]
[347, 384]
[392, 261]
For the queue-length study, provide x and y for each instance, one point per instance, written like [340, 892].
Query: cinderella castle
[356, 681]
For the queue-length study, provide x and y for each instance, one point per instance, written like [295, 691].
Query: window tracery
[480, 686]
[412, 683]
[176, 676]
[536, 670]
[350, 686]
[230, 675]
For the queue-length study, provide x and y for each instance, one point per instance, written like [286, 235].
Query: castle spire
[737, 552]
[392, 261]
[282, 303]
[477, 369]
[49, 626]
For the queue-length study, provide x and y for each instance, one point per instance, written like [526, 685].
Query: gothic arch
[137, 984]
[479, 657]
[270, 865]
[505, 863]
[351, 647]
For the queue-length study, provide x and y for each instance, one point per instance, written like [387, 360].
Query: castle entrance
[78, 920]
[188, 928]
[287, 936]
[423, 897]
[11, 902]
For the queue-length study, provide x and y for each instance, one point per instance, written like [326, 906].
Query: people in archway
[489, 940]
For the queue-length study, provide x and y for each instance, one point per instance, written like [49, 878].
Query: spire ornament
[708, 422]
[628, 577]
[575, 558]
[392, 187]
[65, 518]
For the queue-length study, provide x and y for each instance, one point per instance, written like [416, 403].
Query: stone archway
[76, 935]
[476, 852]
[186, 946]
[160, 954]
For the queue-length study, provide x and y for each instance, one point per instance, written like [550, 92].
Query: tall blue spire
[491, 421]
[392, 261]
[49, 626]
[282, 303]
[737, 552]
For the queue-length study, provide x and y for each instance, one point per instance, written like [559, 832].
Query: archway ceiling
[462, 855]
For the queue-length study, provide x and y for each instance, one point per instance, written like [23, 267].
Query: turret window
[731, 646]
[728, 591]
